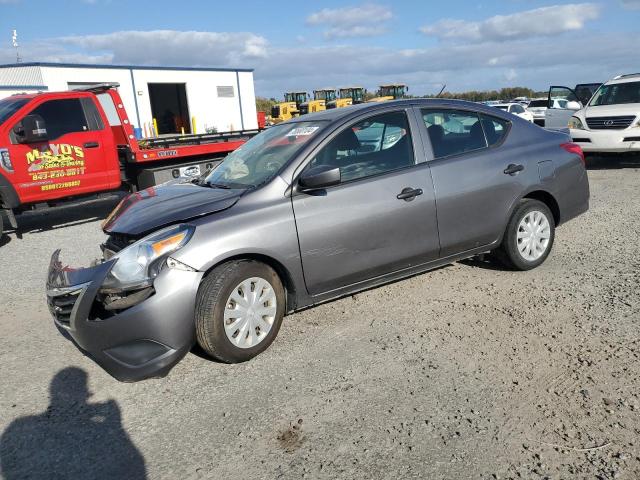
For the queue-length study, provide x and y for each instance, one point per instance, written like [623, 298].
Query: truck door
[78, 156]
[563, 103]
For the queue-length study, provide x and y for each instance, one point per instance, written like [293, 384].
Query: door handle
[407, 194]
[512, 169]
[91, 145]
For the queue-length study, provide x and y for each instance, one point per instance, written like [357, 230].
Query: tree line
[264, 104]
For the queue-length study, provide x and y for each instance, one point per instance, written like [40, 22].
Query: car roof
[631, 77]
[334, 114]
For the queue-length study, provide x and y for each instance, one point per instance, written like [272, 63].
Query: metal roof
[122, 67]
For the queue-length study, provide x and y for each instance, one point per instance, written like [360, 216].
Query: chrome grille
[610, 123]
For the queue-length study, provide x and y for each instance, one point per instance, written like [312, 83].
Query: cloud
[171, 47]
[366, 20]
[631, 4]
[534, 62]
[539, 22]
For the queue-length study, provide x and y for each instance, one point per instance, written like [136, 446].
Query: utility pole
[14, 40]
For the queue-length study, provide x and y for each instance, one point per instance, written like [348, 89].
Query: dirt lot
[465, 372]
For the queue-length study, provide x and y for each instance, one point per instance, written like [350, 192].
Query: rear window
[455, 132]
[538, 103]
[502, 107]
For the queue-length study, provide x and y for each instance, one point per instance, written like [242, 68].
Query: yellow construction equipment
[349, 96]
[289, 108]
[320, 100]
[298, 97]
[391, 91]
[281, 112]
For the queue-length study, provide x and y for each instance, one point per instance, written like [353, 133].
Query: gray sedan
[308, 211]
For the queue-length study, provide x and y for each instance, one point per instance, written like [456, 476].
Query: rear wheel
[239, 310]
[529, 236]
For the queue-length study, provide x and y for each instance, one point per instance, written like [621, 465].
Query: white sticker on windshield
[302, 131]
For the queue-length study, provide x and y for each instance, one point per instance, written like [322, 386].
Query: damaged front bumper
[139, 341]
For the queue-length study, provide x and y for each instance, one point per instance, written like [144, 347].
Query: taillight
[574, 148]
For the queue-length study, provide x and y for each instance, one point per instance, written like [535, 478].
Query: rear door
[470, 169]
[557, 114]
[360, 229]
[74, 160]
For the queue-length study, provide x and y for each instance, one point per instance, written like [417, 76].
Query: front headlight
[575, 123]
[139, 263]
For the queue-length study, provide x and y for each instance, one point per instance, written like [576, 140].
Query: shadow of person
[72, 439]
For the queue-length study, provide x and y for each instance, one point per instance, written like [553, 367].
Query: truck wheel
[239, 310]
[529, 236]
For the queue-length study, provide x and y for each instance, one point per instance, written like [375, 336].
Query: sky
[293, 45]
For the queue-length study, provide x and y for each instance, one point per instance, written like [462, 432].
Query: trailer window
[62, 117]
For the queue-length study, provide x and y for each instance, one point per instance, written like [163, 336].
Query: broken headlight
[138, 264]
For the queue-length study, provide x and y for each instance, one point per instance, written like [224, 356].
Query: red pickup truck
[64, 145]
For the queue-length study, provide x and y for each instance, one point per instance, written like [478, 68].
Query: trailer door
[74, 160]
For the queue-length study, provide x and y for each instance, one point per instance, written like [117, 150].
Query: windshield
[9, 106]
[395, 91]
[260, 159]
[538, 103]
[617, 93]
[328, 95]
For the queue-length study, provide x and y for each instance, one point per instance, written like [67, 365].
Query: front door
[563, 103]
[380, 218]
[74, 159]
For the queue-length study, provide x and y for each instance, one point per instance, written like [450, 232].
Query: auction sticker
[191, 171]
[302, 131]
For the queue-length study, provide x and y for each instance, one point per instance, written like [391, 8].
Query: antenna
[441, 90]
[14, 41]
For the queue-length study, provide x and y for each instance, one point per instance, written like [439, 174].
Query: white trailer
[196, 100]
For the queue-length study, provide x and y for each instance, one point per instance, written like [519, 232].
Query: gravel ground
[464, 372]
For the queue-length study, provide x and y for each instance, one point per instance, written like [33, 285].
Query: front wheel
[239, 310]
[529, 236]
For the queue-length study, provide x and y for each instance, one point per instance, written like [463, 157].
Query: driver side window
[373, 146]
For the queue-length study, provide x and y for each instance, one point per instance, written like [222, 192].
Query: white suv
[610, 121]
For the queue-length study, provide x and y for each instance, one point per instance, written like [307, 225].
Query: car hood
[612, 110]
[156, 207]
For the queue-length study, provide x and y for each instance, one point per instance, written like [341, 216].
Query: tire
[1, 225]
[225, 340]
[516, 253]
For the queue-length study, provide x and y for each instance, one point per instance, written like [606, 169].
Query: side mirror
[319, 177]
[573, 105]
[31, 129]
